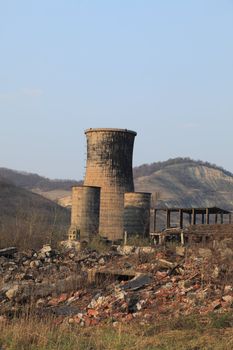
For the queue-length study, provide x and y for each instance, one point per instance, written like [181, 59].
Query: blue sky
[161, 68]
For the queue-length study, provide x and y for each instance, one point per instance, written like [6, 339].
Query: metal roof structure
[193, 213]
[211, 210]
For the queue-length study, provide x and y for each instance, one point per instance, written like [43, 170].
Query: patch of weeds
[98, 244]
[155, 328]
[221, 320]
[185, 323]
[138, 241]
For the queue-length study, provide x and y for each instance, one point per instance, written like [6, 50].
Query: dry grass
[138, 241]
[37, 334]
[98, 244]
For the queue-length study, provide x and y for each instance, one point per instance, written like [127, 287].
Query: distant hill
[51, 189]
[31, 181]
[28, 219]
[183, 182]
[149, 169]
[179, 182]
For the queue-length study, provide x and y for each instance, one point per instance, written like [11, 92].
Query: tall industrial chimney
[109, 166]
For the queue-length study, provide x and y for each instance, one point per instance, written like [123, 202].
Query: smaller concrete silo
[85, 212]
[74, 229]
[137, 213]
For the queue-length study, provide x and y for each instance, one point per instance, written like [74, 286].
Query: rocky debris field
[122, 285]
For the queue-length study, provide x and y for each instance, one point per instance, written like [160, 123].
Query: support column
[230, 218]
[190, 219]
[155, 217]
[161, 238]
[216, 218]
[193, 216]
[182, 238]
[125, 237]
[181, 218]
[168, 218]
[203, 218]
[222, 218]
[207, 216]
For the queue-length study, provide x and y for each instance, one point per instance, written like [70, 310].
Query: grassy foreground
[183, 334]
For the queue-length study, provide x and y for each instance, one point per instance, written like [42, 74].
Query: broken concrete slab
[8, 252]
[96, 275]
[139, 281]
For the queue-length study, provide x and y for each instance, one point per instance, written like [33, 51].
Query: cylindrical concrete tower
[77, 192]
[109, 166]
[85, 212]
[137, 213]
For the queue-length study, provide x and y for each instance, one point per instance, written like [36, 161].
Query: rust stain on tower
[109, 166]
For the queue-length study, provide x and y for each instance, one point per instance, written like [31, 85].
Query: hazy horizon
[163, 69]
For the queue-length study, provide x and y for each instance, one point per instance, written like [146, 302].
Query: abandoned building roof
[212, 210]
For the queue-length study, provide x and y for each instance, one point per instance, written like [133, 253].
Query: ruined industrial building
[106, 204]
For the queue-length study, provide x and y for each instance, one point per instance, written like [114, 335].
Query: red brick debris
[124, 287]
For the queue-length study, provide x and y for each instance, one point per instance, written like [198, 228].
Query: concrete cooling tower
[109, 166]
[137, 214]
[85, 212]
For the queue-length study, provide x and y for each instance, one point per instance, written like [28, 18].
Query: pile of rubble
[122, 285]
